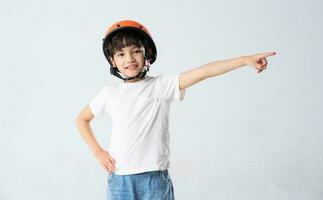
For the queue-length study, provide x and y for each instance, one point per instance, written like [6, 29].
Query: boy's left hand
[259, 60]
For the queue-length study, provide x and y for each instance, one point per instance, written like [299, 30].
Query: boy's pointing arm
[215, 68]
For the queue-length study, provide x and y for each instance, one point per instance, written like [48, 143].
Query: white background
[237, 136]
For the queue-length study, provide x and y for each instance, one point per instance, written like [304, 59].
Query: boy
[138, 156]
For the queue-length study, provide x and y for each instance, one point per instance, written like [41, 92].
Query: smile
[132, 67]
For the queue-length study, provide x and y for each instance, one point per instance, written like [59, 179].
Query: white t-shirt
[139, 140]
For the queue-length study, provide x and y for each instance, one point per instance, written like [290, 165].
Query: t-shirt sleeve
[170, 87]
[98, 104]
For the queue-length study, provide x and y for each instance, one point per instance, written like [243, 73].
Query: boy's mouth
[131, 67]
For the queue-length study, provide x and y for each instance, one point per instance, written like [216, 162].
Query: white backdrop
[237, 136]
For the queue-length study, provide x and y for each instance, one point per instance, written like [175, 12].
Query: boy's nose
[130, 59]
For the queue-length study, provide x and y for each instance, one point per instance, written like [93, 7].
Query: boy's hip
[146, 185]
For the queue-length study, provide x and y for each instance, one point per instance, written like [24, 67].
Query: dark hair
[123, 39]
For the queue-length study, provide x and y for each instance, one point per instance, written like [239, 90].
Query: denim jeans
[153, 185]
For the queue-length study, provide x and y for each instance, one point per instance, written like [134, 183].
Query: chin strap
[114, 71]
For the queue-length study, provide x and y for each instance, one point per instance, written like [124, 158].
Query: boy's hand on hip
[106, 161]
[258, 61]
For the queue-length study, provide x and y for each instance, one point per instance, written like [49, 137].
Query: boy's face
[129, 61]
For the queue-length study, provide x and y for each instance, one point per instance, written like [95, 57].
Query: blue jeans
[153, 185]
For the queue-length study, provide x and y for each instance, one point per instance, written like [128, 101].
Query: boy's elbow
[79, 119]
[85, 116]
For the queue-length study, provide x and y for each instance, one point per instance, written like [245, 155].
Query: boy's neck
[134, 80]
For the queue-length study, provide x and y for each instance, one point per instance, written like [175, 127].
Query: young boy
[138, 156]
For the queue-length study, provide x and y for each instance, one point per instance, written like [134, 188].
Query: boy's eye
[120, 54]
[138, 51]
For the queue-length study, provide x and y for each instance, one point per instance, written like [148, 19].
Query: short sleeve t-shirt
[139, 140]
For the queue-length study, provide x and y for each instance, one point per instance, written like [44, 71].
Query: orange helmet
[149, 45]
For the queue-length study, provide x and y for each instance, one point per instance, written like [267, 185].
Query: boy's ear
[113, 63]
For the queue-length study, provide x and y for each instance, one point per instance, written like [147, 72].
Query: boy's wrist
[244, 60]
[97, 150]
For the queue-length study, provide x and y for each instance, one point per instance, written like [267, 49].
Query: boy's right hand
[106, 161]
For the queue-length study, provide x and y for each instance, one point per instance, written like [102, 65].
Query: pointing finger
[268, 54]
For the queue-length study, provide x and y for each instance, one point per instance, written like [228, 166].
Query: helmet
[149, 45]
